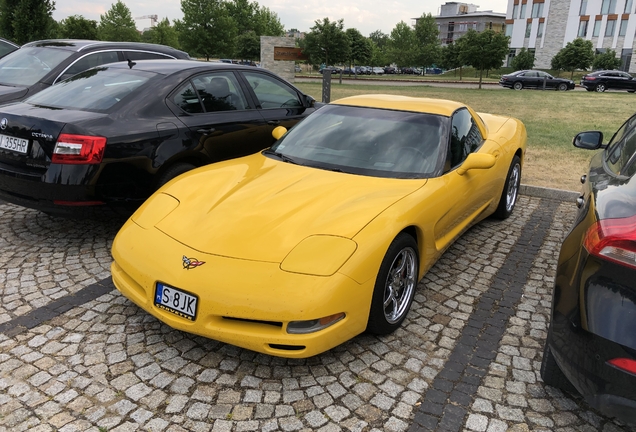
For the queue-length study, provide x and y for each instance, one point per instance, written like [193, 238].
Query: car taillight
[613, 240]
[79, 149]
[588, 78]
[625, 364]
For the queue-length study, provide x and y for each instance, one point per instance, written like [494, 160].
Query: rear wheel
[600, 88]
[518, 85]
[173, 171]
[510, 191]
[395, 286]
[551, 374]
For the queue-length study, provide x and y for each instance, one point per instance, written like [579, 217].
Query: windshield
[27, 66]
[367, 141]
[93, 90]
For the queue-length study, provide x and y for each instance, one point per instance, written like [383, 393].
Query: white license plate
[18, 145]
[176, 301]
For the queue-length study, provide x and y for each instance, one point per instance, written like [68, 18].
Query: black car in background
[112, 135]
[534, 79]
[6, 47]
[600, 81]
[38, 65]
[591, 343]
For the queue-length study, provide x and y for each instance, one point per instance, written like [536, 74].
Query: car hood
[259, 209]
[8, 93]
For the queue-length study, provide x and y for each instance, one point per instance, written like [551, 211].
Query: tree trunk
[460, 73]
[481, 72]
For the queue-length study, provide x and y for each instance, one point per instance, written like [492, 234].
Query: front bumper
[240, 302]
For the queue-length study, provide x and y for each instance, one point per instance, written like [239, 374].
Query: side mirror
[476, 161]
[309, 101]
[589, 140]
[278, 132]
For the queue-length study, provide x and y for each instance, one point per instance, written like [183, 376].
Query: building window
[528, 28]
[463, 27]
[597, 28]
[608, 7]
[609, 28]
[583, 8]
[537, 10]
[628, 6]
[509, 30]
[522, 15]
[540, 30]
[515, 11]
[582, 29]
[623, 30]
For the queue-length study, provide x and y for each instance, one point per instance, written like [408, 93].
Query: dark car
[390, 70]
[534, 79]
[38, 65]
[608, 80]
[591, 344]
[6, 47]
[113, 134]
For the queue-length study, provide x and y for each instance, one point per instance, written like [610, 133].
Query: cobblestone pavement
[467, 358]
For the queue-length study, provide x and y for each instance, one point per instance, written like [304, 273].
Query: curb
[543, 192]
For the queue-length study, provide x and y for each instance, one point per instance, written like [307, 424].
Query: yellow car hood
[259, 209]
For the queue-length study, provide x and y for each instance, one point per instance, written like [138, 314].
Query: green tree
[78, 27]
[556, 64]
[117, 24]
[360, 50]
[380, 39]
[207, 29]
[248, 46]
[449, 58]
[522, 61]
[327, 42]
[578, 54]
[428, 44]
[484, 50]
[606, 60]
[267, 23]
[23, 21]
[378, 55]
[163, 33]
[401, 47]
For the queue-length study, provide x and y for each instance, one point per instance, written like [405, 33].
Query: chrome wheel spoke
[400, 285]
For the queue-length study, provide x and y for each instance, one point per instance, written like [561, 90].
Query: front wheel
[510, 191]
[562, 87]
[395, 286]
[600, 88]
[518, 85]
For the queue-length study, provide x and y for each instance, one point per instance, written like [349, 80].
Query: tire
[562, 87]
[552, 375]
[518, 85]
[395, 286]
[510, 191]
[600, 88]
[173, 171]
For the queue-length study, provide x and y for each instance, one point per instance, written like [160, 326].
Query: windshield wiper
[281, 156]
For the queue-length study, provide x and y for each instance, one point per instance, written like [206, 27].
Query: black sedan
[39, 65]
[600, 81]
[591, 344]
[6, 47]
[113, 134]
[534, 79]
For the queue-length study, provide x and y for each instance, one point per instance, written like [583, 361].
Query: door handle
[273, 122]
[205, 131]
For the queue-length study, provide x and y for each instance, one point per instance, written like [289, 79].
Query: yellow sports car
[298, 248]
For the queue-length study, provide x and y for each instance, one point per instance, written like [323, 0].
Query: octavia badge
[3, 123]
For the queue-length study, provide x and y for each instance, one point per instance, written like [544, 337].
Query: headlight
[154, 210]
[319, 255]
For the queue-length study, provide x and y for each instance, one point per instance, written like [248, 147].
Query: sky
[364, 15]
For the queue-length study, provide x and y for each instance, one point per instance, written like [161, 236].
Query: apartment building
[546, 26]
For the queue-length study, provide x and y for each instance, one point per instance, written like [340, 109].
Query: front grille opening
[287, 347]
[271, 323]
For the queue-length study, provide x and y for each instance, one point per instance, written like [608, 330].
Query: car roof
[171, 66]
[403, 103]
[79, 45]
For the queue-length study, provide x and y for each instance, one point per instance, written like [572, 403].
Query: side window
[620, 154]
[465, 138]
[187, 99]
[140, 55]
[89, 61]
[220, 91]
[272, 93]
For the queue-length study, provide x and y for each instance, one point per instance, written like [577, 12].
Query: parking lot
[75, 355]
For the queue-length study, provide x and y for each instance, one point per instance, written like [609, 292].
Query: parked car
[6, 47]
[297, 69]
[600, 81]
[333, 69]
[377, 71]
[39, 65]
[319, 237]
[534, 79]
[407, 70]
[112, 135]
[390, 70]
[591, 343]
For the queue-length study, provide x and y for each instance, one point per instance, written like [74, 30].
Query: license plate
[176, 301]
[18, 145]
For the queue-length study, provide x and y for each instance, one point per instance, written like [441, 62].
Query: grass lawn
[551, 118]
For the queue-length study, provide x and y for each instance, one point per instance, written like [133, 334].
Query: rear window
[27, 66]
[97, 89]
